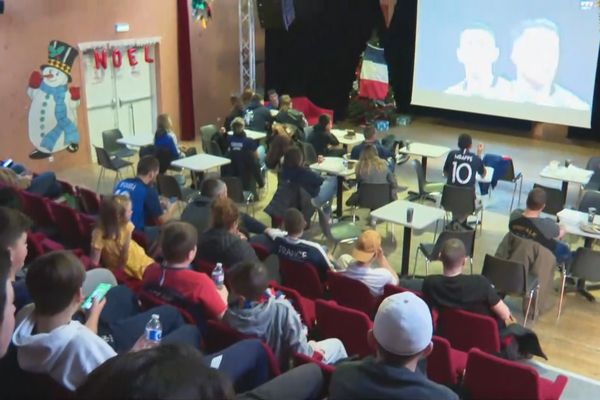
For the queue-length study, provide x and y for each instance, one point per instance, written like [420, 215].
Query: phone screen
[7, 163]
[97, 294]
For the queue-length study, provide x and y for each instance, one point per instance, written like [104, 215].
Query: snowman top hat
[61, 56]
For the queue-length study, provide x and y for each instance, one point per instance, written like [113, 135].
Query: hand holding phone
[97, 294]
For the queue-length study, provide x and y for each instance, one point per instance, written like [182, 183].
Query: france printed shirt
[144, 200]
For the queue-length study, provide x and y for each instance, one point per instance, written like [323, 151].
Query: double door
[123, 97]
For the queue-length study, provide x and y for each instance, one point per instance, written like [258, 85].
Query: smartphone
[97, 294]
[7, 163]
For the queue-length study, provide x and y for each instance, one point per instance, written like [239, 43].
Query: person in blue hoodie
[164, 136]
[257, 116]
[320, 189]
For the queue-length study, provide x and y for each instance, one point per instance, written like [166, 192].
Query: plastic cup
[409, 214]
[591, 214]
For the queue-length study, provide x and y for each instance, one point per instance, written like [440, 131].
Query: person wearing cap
[367, 251]
[453, 289]
[401, 335]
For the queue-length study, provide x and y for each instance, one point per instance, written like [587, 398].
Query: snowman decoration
[52, 113]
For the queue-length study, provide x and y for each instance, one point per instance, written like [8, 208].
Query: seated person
[294, 118]
[273, 99]
[257, 312]
[370, 139]
[372, 169]
[112, 242]
[145, 203]
[279, 142]
[323, 140]
[529, 224]
[223, 242]
[453, 289]
[44, 184]
[197, 211]
[462, 166]
[367, 250]
[246, 155]
[290, 246]
[164, 136]
[258, 117]
[178, 245]
[401, 333]
[320, 189]
[195, 378]
[237, 110]
[48, 341]
[7, 308]
[14, 226]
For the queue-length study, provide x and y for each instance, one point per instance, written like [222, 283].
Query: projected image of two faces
[535, 55]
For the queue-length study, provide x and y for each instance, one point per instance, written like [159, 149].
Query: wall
[215, 62]
[26, 28]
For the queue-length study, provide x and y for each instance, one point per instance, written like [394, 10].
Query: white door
[123, 98]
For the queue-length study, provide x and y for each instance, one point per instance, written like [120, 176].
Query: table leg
[340, 196]
[565, 189]
[424, 165]
[405, 251]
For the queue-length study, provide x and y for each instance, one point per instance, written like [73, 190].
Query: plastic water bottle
[153, 331]
[218, 275]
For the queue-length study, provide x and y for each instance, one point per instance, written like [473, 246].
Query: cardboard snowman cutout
[53, 109]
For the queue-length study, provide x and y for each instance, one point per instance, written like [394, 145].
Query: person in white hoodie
[48, 341]
[7, 308]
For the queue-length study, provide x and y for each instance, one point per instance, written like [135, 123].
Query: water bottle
[218, 275]
[153, 331]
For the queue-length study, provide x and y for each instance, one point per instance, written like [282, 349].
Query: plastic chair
[206, 134]
[585, 266]
[591, 198]
[554, 199]
[236, 192]
[445, 365]
[302, 277]
[310, 154]
[114, 148]
[351, 293]
[113, 164]
[89, 201]
[431, 251]
[305, 307]
[168, 187]
[510, 277]
[514, 178]
[372, 196]
[457, 200]
[593, 164]
[466, 330]
[491, 377]
[426, 189]
[339, 232]
[348, 325]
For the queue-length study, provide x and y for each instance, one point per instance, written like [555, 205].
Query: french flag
[373, 82]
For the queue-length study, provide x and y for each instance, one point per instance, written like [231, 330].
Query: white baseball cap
[403, 324]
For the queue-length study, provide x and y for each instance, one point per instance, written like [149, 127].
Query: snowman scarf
[63, 123]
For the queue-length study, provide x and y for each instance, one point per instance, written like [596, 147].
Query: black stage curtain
[317, 57]
[399, 43]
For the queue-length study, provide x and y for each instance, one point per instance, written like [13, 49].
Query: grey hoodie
[274, 321]
[68, 353]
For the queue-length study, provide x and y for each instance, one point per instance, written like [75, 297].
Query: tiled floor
[573, 343]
